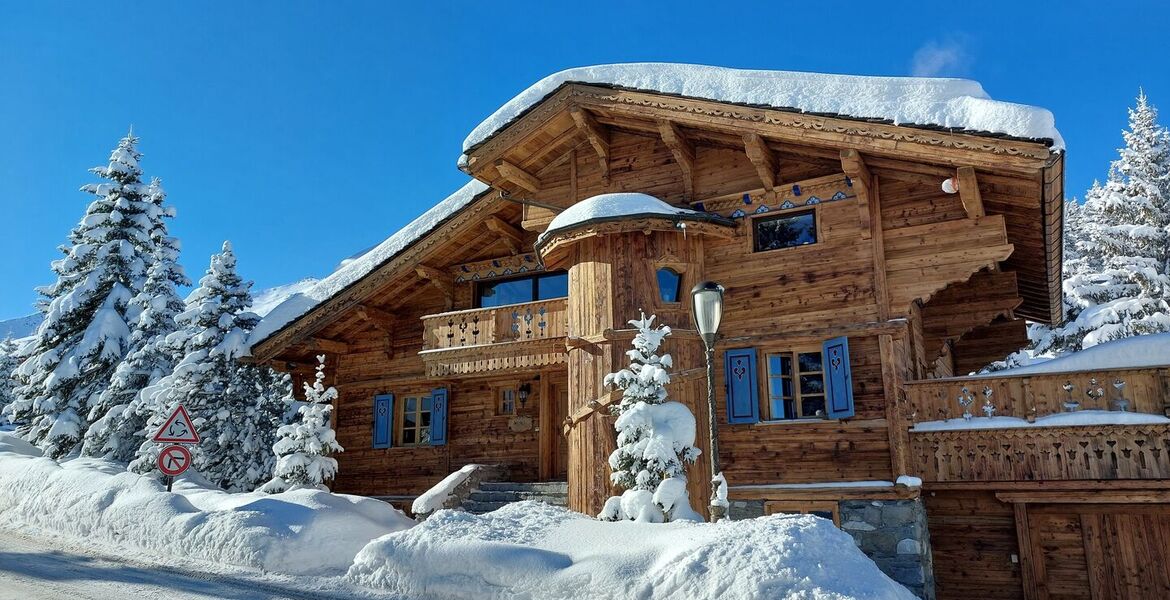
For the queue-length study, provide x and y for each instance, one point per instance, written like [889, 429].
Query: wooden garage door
[1098, 551]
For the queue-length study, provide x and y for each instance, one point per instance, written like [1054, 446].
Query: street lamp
[707, 306]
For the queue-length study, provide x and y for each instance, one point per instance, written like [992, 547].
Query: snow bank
[613, 206]
[1066, 419]
[306, 532]
[533, 550]
[1151, 350]
[953, 103]
[359, 266]
[436, 497]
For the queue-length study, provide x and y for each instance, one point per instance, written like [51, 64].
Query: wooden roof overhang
[1021, 179]
[372, 301]
[553, 246]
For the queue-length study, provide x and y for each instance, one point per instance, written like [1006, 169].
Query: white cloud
[948, 57]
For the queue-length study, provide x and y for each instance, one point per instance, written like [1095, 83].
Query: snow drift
[306, 532]
[533, 550]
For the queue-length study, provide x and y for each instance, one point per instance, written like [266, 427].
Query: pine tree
[655, 438]
[86, 328]
[118, 419]
[304, 448]
[9, 360]
[213, 335]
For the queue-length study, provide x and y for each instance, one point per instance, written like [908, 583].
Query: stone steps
[492, 495]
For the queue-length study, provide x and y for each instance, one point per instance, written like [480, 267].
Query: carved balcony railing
[1104, 424]
[488, 340]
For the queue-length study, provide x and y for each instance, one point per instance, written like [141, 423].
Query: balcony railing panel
[489, 340]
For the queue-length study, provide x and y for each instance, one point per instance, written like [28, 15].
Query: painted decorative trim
[495, 268]
[803, 193]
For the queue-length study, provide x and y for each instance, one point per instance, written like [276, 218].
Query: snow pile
[613, 206]
[533, 550]
[437, 497]
[352, 270]
[303, 532]
[1065, 419]
[953, 103]
[1130, 353]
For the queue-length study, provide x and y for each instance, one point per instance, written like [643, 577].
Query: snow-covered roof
[1151, 350]
[349, 272]
[923, 101]
[624, 205]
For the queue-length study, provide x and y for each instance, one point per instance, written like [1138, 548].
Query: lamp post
[707, 306]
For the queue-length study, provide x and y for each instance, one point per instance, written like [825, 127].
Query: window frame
[499, 392]
[766, 397]
[533, 278]
[754, 219]
[400, 428]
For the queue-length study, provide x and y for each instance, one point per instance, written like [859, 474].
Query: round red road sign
[173, 460]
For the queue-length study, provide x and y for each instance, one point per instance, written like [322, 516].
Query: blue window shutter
[439, 417]
[743, 404]
[383, 417]
[838, 379]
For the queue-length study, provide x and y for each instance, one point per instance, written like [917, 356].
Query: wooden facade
[923, 285]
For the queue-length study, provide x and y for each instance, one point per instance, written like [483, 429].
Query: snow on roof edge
[940, 103]
[620, 205]
[349, 273]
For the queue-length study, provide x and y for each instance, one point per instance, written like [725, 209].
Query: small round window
[669, 284]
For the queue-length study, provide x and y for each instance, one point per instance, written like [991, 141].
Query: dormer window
[669, 284]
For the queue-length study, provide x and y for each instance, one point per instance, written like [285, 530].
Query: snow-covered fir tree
[9, 360]
[304, 448]
[87, 316]
[119, 417]
[655, 437]
[223, 405]
[1117, 249]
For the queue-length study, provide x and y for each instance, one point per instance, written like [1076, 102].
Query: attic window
[785, 230]
[669, 284]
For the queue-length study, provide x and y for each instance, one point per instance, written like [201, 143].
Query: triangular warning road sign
[178, 429]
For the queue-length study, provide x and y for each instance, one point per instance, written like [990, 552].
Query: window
[506, 401]
[545, 286]
[796, 385]
[669, 284]
[785, 230]
[415, 423]
[824, 510]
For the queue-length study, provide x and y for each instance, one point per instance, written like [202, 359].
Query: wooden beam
[439, 280]
[517, 175]
[684, 154]
[511, 235]
[597, 135]
[379, 318]
[855, 168]
[969, 192]
[317, 344]
[763, 158]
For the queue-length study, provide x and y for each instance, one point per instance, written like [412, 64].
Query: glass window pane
[778, 409]
[785, 231]
[812, 384]
[553, 285]
[812, 406]
[777, 388]
[499, 293]
[787, 387]
[424, 419]
[408, 419]
[780, 364]
[410, 405]
[790, 408]
[669, 282]
[824, 514]
[408, 436]
[426, 403]
[810, 361]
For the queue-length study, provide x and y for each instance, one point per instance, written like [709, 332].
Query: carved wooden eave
[359, 291]
[553, 247]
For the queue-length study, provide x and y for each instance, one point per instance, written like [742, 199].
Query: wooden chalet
[486, 338]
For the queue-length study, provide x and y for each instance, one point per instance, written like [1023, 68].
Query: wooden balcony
[1042, 438]
[516, 337]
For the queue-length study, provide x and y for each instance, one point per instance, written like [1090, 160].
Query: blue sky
[305, 132]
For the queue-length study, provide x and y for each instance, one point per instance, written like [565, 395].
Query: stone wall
[891, 532]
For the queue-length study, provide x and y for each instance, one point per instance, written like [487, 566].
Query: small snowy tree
[655, 437]
[304, 448]
[118, 419]
[9, 360]
[86, 328]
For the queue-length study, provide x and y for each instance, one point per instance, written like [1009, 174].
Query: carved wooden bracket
[969, 192]
[762, 157]
[855, 168]
[509, 234]
[684, 154]
[597, 135]
[517, 175]
[328, 346]
[439, 280]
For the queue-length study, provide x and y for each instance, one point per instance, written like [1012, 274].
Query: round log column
[611, 277]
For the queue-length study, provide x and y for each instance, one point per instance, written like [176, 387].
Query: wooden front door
[554, 446]
[1098, 551]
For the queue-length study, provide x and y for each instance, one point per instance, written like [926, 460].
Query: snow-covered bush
[303, 448]
[655, 437]
[87, 313]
